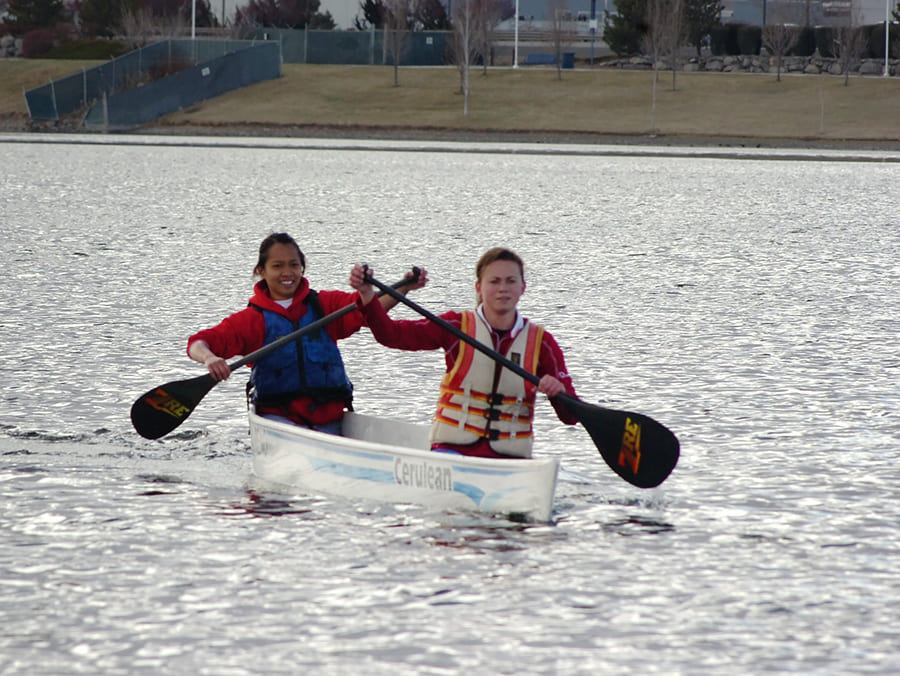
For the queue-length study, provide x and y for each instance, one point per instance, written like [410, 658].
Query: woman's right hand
[218, 368]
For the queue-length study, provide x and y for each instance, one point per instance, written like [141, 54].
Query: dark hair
[271, 240]
[498, 253]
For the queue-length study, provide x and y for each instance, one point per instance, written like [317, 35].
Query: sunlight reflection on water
[750, 305]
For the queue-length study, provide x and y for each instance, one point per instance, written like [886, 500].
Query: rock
[869, 67]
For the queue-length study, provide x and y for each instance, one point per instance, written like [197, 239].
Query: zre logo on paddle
[630, 452]
[163, 401]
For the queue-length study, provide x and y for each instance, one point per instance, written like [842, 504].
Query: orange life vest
[471, 408]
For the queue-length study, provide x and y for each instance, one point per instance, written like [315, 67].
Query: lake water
[750, 303]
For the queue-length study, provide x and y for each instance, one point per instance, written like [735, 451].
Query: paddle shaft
[309, 328]
[162, 409]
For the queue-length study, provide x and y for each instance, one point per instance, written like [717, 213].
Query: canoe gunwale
[311, 461]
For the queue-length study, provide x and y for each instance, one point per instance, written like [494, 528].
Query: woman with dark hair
[304, 382]
[483, 409]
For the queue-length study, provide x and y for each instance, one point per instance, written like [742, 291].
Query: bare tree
[562, 30]
[780, 36]
[488, 16]
[244, 27]
[675, 35]
[779, 39]
[848, 43]
[662, 41]
[398, 21]
[140, 26]
[466, 40]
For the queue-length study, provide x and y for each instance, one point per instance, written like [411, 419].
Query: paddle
[159, 411]
[636, 447]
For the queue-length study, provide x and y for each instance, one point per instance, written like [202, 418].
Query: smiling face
[500, 287]
[283, 271]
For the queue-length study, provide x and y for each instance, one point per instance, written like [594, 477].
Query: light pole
[193, 18]
[887, 35]
[516, 37]
[593, 28]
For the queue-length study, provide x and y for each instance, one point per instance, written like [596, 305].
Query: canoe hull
[389, 461]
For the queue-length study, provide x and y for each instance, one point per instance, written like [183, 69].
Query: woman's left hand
[358, 282]
[420, 282]
[550, 386]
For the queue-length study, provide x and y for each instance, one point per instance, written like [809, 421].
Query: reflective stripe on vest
[470, 409]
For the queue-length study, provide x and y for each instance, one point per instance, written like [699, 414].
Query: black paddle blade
[636, 447]
[164, 408]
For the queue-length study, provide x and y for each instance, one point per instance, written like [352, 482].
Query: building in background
[806, 13]
[819, 12]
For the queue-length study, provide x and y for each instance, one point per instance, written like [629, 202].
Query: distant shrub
[89, 50]
[723, 40]
[825, 41]
[749, 39]
[875, 41]
[37, 42]
[160, 70]
[806, 42]
[872, 42]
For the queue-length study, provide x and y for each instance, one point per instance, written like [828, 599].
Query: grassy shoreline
[530, 104]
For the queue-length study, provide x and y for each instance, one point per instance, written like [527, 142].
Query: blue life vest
[309, 367]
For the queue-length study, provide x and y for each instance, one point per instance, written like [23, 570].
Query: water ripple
[750, 305]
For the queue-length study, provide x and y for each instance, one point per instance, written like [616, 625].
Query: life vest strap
[492, 434]
[486, 413]
[495, 399]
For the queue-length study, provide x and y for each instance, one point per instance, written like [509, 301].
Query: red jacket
[423, 334]
[244, 332]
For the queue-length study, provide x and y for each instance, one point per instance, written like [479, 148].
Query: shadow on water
[256, 505]
[637, 525]
[483, 532]
[162, 480]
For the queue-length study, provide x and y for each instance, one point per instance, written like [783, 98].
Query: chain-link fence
[183, 89]
[420, 48]
[80, 90]
[145, 67]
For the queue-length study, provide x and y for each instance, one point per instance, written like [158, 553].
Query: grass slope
[532, 100]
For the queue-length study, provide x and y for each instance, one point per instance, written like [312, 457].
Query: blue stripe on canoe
[381, 476]
[474, 493]
[485, 470]
[387, 477]
[385, 457]
[351, 471]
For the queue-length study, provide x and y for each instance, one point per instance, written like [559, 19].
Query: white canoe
[391, 461]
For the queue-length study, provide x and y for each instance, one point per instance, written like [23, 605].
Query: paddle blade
[164, 408]
[636, 447]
